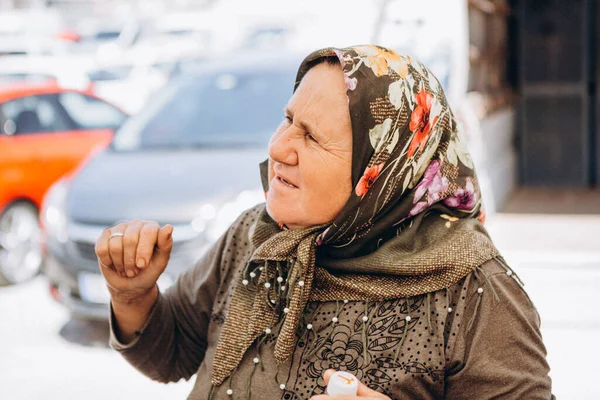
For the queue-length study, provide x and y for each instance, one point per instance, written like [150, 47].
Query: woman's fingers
[165, 239]
[164, 244]
[115, 246]
[130, 247]
[364, 392]
[130, 244]
[102, 251]
[146, 244]
[346, 397]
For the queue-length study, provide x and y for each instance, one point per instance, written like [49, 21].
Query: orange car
[45, 132]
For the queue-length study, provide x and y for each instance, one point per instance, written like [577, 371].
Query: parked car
[190, 158]
[45, 132]
[132, 80]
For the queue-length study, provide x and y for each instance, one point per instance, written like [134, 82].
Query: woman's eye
[310, 137]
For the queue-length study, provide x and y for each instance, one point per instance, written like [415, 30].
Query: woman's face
[310, 166]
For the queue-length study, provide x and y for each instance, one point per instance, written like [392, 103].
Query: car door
[43, 141]
[92, 122]
[31, 128]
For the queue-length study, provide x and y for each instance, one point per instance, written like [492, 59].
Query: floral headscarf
[410, 227]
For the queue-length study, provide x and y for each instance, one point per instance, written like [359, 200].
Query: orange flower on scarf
[379, 60]
[420, 123]
[482, 216]
[367, 180]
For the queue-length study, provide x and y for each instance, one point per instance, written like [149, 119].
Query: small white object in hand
[342, 383]
[229, 392]
[282, 386]
[256, 360]
[301, 283]
[267, 285]
[279, 279]
[245, 282]
[252, 274]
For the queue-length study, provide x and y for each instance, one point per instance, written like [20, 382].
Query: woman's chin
[282, 214]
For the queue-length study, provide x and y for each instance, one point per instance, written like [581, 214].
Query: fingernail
[141, 263]
[130, 273]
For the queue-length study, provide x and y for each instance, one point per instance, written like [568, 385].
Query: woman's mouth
[282, 180]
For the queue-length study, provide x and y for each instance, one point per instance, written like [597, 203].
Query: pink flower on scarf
[350, 82]
[321, 236]
[433, 183]
[463, 199]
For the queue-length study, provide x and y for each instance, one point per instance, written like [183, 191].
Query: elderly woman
[369, 257]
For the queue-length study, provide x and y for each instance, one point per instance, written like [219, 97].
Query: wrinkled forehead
[320, 102]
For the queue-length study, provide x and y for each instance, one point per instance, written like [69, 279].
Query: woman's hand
[132, 256]
[364, 392]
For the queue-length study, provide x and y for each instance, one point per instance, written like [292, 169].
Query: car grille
[86, 250]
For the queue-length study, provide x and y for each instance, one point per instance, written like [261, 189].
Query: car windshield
[226, 109]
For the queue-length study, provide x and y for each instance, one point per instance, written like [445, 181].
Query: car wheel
[20, 250]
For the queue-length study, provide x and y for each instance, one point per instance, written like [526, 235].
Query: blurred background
[161, 110]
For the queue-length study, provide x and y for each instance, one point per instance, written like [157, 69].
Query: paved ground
[45, 355]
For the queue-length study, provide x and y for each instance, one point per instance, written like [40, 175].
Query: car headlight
[54, 218]
[212, 221]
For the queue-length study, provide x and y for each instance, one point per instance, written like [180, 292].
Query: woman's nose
[282, 147]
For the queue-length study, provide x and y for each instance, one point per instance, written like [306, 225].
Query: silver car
[189, 159]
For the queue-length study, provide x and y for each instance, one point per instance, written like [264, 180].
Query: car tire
[20, 248]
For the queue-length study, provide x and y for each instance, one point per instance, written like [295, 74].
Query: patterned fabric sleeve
[497, 349]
